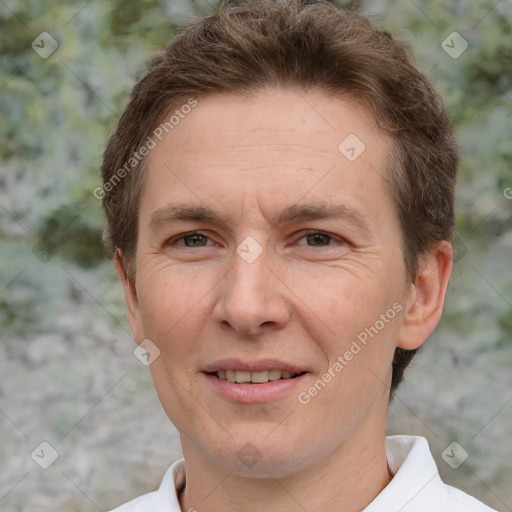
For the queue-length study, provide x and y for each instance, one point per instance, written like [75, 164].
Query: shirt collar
[415, 475]
[416, 484]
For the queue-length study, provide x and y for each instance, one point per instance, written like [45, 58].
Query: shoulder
[416, 485]
[464, 502]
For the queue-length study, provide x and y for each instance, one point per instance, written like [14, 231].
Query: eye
[193, 239]
[320, 239]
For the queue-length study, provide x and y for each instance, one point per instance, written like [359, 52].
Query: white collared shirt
[415, 487]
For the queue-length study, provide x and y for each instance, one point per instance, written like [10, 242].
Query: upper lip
[252, 366]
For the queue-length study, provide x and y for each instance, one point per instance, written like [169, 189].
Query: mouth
[259, 377]
[254, 381]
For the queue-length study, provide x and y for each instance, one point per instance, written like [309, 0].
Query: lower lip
[254, 393]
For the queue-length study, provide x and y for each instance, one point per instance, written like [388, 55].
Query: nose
[252, 297]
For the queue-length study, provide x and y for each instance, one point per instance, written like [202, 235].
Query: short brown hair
[246, 46]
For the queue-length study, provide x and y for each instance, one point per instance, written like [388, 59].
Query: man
[279, 197]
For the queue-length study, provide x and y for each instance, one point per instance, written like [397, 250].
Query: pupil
[318, 237]
[194, 239]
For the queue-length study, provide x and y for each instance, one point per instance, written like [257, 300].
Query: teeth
[242, 376]
[274, 374]
[259, 377]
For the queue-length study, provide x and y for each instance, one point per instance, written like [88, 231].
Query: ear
[130, 296]
[424, 304]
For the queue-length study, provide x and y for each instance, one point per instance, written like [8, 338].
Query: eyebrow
[199, 213]
[175, 212]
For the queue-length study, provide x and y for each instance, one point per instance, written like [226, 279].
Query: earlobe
[424, 305]
[130, 295]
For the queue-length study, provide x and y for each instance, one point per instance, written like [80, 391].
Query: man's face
[268, 285]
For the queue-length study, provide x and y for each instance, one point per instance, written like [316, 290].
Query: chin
[258, 457]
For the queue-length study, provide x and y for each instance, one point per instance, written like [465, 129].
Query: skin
[303, 300]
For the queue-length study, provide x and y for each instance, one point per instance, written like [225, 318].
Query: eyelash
[174, 241]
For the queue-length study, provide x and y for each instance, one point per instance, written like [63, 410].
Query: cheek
[173, 305]
[171, 302]
[355, 319]
[344, 303]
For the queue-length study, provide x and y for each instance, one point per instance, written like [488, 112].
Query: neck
[348, 479]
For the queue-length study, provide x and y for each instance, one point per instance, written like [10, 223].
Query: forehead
[294, 142]
[277, 119]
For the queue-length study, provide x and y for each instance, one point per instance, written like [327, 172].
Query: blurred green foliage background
[69, 375]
